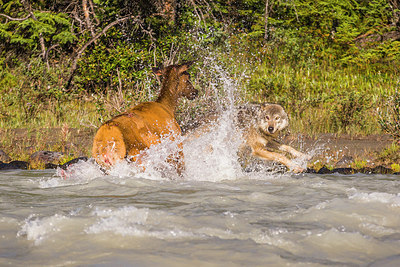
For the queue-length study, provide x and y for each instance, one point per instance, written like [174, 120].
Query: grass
[19, 144]
[319, 97]
[76, 114]
[390, 154]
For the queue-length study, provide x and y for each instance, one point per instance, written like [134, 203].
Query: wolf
[261, 125]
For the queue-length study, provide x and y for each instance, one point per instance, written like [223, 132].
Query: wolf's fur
[130, 133]
[261, 124]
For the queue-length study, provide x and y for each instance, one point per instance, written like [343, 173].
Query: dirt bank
[339, 149]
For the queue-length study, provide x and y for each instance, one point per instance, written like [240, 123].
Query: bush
[349, 109]
[389, 116]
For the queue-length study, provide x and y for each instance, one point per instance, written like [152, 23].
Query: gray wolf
[261, 125]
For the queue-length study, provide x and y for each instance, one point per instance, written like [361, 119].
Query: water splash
[38, 229]
[209, 156]
[212, 156]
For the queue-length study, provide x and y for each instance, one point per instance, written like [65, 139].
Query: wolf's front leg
[294, 152]
[268, 155]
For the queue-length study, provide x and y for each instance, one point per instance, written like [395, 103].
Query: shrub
[389, 116]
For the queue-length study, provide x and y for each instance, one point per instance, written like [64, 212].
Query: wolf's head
[272, 118]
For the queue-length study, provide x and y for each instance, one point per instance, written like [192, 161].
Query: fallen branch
[15, 19]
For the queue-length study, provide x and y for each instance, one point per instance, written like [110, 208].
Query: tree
[395, 7]
[33, 30]
[266, 17]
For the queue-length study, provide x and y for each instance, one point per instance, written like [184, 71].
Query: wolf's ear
[261, 108]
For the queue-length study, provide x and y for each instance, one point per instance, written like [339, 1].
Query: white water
[250, 219]
[215, 215]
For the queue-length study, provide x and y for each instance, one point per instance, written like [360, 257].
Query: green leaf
[64, 37]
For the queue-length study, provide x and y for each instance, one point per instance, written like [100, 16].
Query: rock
[344, 170]
[73, 161]
[377, 170]
[16, 164]
[324, 170]
[45, 157]
[344, 162]
[381, 170]
[4, 157]
[310, 170]
[50, 166]
[366, 170]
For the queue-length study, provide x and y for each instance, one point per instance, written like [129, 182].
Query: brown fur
[261, 124]
[135, 130]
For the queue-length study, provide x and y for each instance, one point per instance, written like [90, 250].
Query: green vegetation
[334, 65]
[389, 116]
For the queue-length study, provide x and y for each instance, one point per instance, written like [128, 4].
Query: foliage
[349, 109]
[359, 164]
[395, 167]
[389, 116]
[330, 62]
[23, 35]
[390, 153]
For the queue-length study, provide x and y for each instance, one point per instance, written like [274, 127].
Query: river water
[215, 215]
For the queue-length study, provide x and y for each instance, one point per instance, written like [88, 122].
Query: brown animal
[130, 133]
[262, 124]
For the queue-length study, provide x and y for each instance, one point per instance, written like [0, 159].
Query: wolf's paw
[298, 169]
[303, 156]
[307, 157]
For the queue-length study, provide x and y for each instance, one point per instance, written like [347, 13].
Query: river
[210, 217]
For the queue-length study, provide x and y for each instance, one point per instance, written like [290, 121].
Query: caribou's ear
[158, 71]
[185, 66]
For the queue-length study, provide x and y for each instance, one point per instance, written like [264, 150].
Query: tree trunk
[169, 10]
[27, 6]
[395, 5]
[266, 17]
[87, 18]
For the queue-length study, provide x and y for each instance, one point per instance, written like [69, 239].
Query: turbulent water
[215, 215]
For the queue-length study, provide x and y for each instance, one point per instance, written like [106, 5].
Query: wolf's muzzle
[271, 129]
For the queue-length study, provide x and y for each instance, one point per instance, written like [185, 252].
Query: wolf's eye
[277, 118]
[267, 117]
